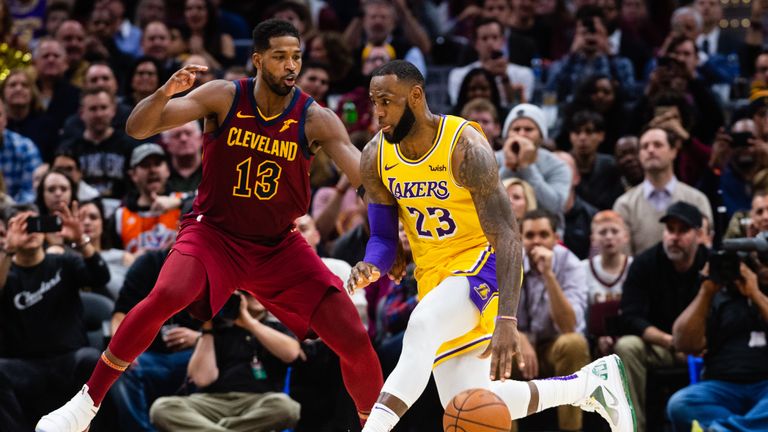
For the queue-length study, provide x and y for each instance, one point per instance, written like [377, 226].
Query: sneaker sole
[625, 386]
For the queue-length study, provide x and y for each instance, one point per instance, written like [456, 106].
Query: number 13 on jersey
[267, 176]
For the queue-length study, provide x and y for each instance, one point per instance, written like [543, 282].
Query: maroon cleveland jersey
[256, 171]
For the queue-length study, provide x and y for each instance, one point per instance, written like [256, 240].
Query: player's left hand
[363, 274]
[504, 346]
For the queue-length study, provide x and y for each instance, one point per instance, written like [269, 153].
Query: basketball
[476, 410]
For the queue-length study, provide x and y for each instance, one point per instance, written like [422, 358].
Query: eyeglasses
[146, 73]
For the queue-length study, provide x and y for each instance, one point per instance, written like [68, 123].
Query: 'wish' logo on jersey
[418, 189]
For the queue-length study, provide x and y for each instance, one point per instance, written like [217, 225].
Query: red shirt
[256, 171]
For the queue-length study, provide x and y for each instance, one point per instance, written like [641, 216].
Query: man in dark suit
[712, 41]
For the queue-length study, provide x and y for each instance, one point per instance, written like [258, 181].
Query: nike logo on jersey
[389, 167]
[244, 116]
[287, 124]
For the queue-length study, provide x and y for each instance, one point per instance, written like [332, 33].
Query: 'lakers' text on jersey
[256, 169]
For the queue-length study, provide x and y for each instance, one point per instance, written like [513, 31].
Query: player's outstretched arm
[324, 129]
[382, 217]
[477, 171]
[159, 112]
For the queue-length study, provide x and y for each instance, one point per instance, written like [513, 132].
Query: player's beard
[276, 85]
[404, 126]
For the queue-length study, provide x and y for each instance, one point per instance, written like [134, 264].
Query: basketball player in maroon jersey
[260, 137]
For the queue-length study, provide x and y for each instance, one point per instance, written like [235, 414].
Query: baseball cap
[528, 111]
[758, 100]
[143, 151]
[684, 212]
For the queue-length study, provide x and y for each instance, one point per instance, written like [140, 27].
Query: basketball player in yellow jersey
[438, 175]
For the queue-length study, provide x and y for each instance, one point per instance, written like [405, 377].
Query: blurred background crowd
[631, 137]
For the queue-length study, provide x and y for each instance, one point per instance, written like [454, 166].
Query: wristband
[381, 249]
[506, 318]
[84, 240]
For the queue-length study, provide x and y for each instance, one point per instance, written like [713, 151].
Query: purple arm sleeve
[382, 246]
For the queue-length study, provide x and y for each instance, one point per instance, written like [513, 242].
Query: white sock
[562, 390]
[382, 419]
[516, 394]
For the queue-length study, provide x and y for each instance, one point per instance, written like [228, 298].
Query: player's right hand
[182, 80]
[363, 274]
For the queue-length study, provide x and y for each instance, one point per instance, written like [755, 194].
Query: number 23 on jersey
[441, 217]
[266, 183]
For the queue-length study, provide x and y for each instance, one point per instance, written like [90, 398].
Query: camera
[231, 309]
[741, 139]
[724, 263]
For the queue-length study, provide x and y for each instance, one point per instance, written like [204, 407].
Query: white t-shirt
[602, 286]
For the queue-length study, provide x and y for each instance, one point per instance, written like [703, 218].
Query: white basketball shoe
[74, 416]
[607, 393]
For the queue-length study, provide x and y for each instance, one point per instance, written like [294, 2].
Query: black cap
[684, 212]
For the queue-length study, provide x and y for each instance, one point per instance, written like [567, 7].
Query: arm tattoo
[375, 191]
[478, 172]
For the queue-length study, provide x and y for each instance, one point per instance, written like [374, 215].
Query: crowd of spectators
[631, 137]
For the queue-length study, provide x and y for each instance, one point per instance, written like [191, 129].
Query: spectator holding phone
[54, 193]
[736, 159]
[590, 54]
[515, 83]
[46, 355]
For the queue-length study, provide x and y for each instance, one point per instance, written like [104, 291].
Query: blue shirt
[567, 73]
[18, 159]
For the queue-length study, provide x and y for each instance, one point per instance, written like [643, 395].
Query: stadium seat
[97, 313]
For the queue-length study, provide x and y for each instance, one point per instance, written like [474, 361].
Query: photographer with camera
[590, 54]
[661, 282]
[46, 354]
[728, 322]
[236, 366]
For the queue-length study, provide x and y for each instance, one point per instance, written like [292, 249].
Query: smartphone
[589, 24]
[497, 54]
[741, 139]
[231, 309]
[44, 224]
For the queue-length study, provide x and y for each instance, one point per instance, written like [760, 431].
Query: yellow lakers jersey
[439, 216]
